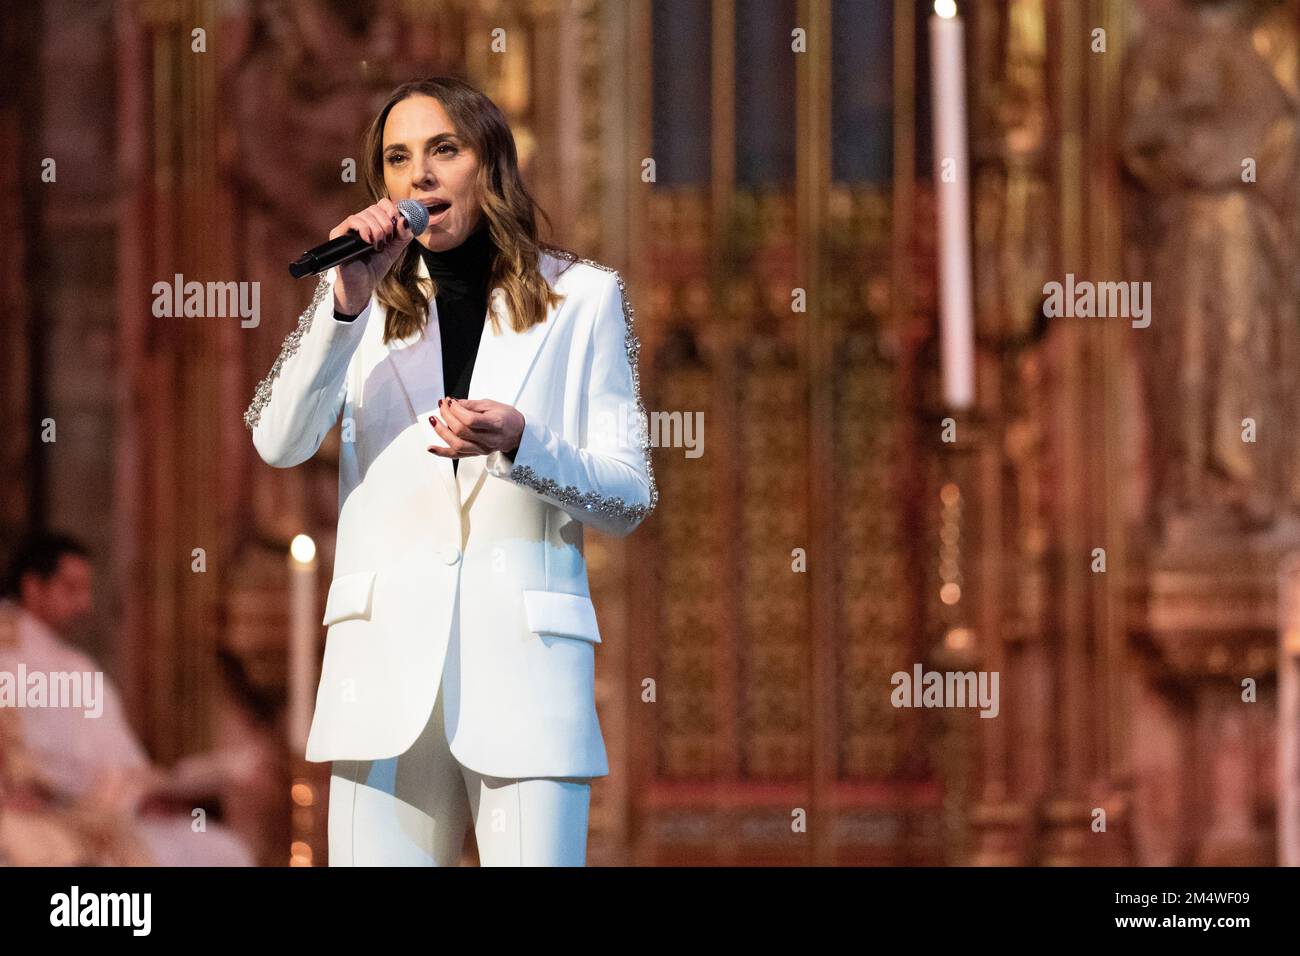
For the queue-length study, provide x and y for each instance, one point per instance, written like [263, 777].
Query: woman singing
[478, 440]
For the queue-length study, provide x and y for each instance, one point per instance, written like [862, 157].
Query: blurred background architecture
[1095, 527]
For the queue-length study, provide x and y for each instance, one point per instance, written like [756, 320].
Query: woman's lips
[436, 214]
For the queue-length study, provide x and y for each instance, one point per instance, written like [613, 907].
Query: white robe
[71, 748]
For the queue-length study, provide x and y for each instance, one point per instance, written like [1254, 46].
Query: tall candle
[952, 204]
[304, 628]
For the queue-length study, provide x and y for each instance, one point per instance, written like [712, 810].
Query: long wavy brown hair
[510, 210]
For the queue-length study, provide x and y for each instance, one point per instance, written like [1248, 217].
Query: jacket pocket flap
[568, 615]
[349, 597]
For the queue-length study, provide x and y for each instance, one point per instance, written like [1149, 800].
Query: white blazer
[497, 548]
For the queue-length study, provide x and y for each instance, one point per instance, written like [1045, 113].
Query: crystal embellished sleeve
[606, 480]
[299, 400]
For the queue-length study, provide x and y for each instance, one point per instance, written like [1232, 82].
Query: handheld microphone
[350, 245]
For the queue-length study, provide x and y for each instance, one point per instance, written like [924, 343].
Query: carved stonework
[1212, 138]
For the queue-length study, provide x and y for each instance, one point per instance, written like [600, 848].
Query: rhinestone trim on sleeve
[589, 500]
[291, 343]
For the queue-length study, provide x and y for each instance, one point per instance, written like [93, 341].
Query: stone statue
[1211, 140]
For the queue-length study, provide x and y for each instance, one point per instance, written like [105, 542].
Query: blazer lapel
[500, 369]
[422, 386]
[501, 366]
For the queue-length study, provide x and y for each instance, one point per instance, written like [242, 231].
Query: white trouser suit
[458, 675]
[414, 809]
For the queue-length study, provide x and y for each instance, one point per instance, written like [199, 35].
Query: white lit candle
[952, 204]
[303, 630]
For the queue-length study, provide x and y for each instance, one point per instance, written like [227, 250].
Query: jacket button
[449, 554]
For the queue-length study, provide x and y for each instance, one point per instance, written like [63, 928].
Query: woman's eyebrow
[428, 142]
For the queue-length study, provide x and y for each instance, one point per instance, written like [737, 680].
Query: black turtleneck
[461, 275]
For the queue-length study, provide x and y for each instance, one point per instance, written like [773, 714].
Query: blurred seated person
[36, 830]
[82, 765]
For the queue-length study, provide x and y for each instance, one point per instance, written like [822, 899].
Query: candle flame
[302, 549]
[959, 639]
[947, 9]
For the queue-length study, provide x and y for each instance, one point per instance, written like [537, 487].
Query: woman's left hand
[476, 426]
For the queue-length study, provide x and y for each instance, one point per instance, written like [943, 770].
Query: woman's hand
[476, 426]
[383, 227]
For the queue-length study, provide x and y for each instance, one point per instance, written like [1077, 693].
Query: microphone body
[350, 245]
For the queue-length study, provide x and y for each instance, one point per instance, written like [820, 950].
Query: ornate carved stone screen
[789, 556]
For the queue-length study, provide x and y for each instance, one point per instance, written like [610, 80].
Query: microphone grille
[417, 217]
